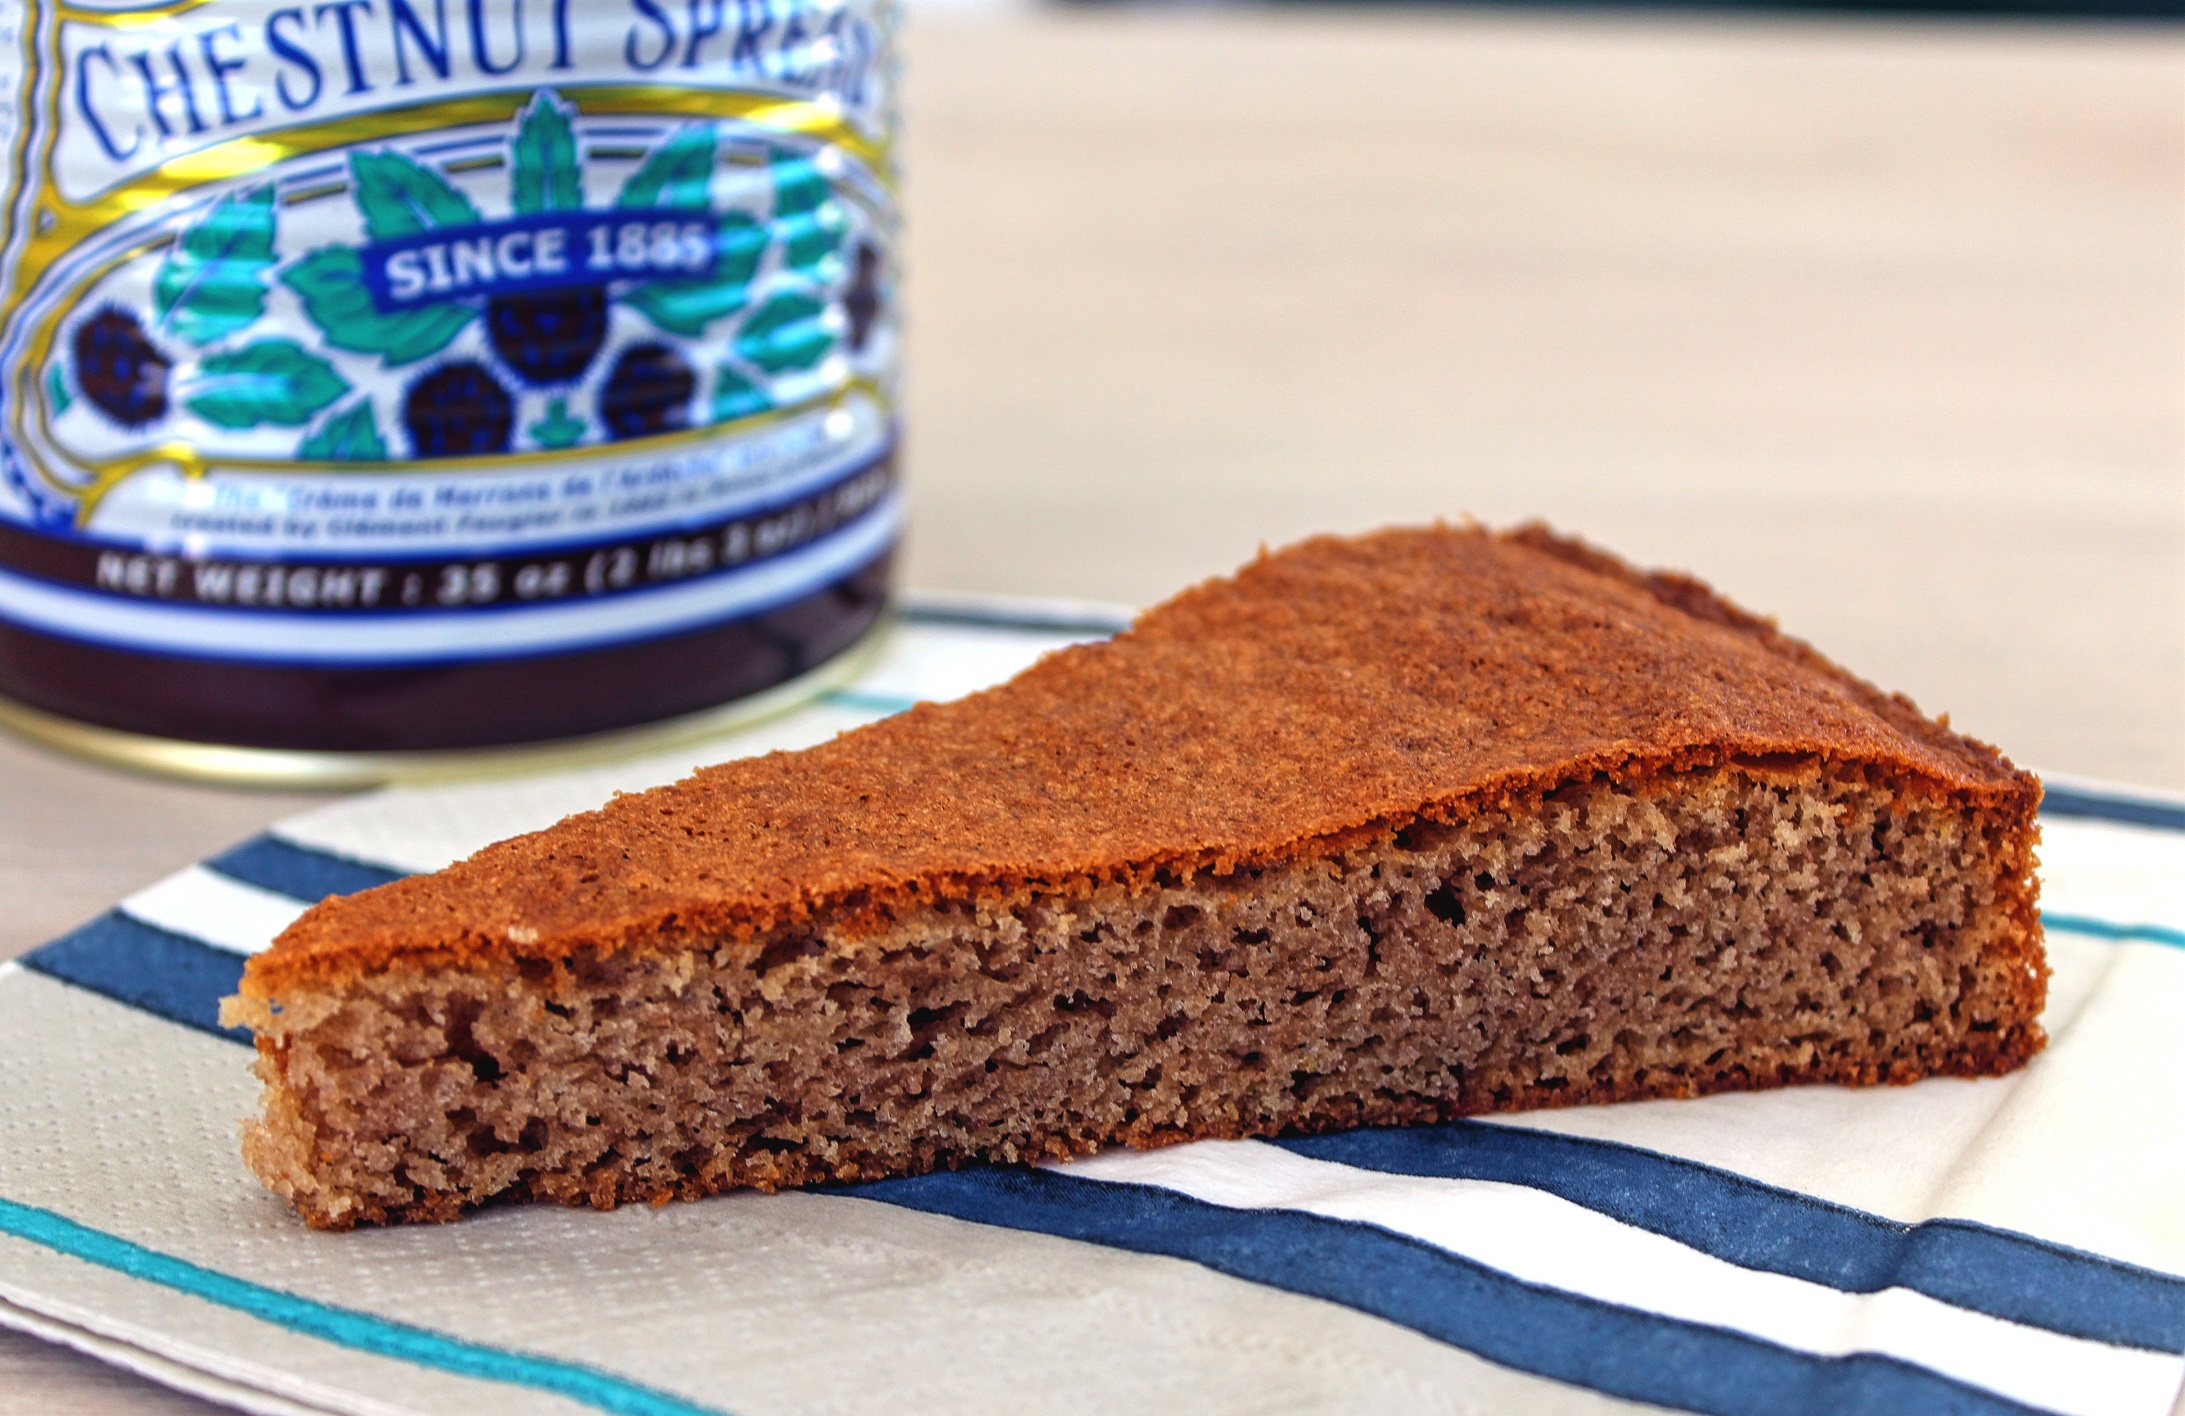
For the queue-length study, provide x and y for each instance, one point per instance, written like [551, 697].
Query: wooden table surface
[1880, 326]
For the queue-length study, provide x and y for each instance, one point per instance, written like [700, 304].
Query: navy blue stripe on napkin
[1761, 1227]
[2132, 811]
[299, 872]
[129, 961]
[1604, 1346]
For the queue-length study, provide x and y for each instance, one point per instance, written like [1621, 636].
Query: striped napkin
[2003, 1245]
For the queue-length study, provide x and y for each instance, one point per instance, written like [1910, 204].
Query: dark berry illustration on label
[549, 336]
[861, 302]
[529, 285]
[649, 392]
[458, 410]
[120, 370]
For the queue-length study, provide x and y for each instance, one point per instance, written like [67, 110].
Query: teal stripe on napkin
[345, 1327]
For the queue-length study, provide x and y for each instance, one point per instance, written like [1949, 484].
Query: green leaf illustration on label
[678, 174]
[735, 396]
[398, 197]
[807, 220]
[811, 243]
[330, 282]
[557, 429]
[686, 307]
[351, 435]
[273, 381]
[799, 185]
[787, 332]
[544, 175]
[211, 283]
[251, 310]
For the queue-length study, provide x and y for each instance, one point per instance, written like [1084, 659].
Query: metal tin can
[386, 380]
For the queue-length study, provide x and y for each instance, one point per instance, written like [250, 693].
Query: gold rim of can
[292, 768]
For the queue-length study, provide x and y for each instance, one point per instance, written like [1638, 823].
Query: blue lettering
[221, 68]
[155, 91]
[401, 17]
[351, 57]
[90, 115]
[702, 28]
[286, 48]
[651, 10]
[857, 53]
[753, 19]
[479, 53]
[561, 34]
[832, 43]
[183, 85]
[793, 52]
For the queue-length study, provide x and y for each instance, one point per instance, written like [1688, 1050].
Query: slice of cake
[1382, 830]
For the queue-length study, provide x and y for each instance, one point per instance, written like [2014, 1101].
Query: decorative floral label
[434, 317]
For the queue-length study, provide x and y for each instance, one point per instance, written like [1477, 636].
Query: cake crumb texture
[1386, 829]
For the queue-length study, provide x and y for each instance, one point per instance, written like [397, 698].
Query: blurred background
[1875, 322]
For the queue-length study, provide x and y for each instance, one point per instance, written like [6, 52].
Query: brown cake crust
[1322, 696]
[1378, 831]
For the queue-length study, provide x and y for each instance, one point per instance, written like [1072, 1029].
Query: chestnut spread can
[386, 380]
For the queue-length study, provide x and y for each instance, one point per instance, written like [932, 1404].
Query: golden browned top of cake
[1338, 687]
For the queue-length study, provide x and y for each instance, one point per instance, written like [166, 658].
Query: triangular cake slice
[1384, 830]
